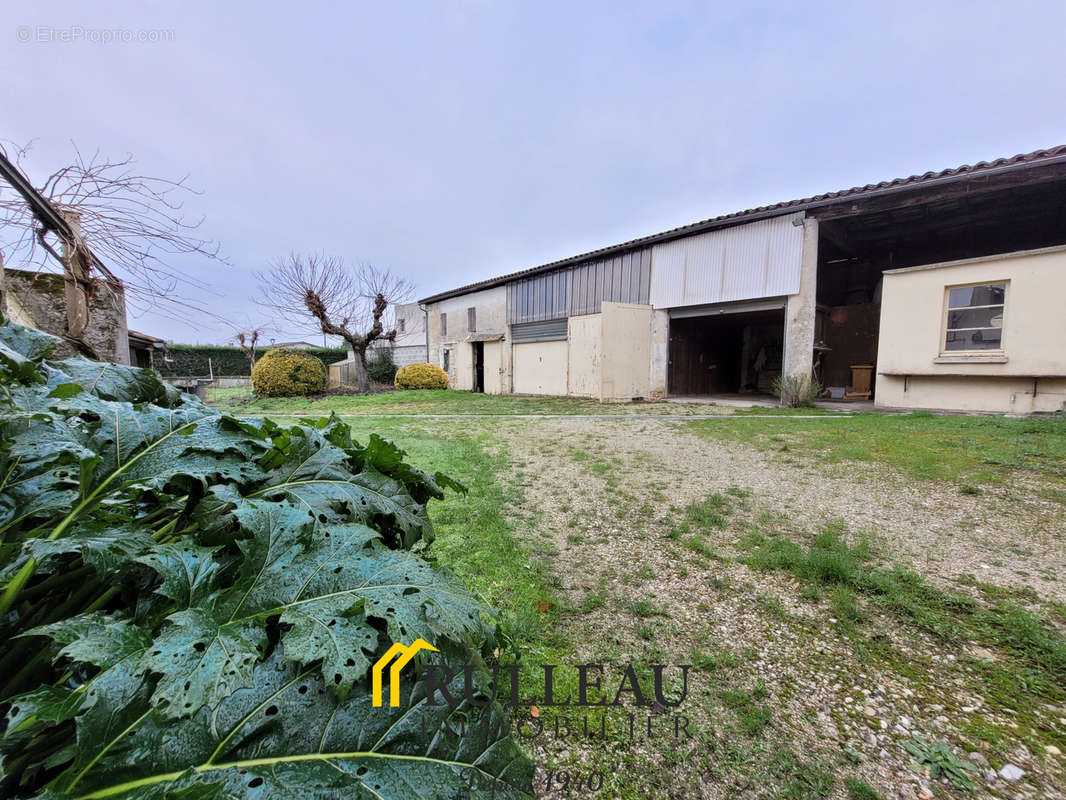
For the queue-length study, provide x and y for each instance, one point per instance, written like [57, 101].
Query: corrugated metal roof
[1021, 160]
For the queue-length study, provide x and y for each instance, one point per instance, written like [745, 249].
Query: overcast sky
[452, 142]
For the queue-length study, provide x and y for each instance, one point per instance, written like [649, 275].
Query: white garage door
[540, 368]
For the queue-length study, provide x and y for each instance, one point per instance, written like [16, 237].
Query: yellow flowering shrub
[288, 373]
[421, 376]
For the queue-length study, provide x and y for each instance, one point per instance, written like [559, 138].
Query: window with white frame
[974, 318]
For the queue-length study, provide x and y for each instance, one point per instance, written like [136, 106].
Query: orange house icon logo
[405, 654]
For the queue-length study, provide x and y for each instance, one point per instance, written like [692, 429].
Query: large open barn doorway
[962, 220]
[725, 353]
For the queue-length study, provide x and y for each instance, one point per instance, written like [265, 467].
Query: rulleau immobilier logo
[405, 653]
[592, 693]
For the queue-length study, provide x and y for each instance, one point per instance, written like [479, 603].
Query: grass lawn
[964, 449]
[241, 400]
[474, 538]
[406, 403]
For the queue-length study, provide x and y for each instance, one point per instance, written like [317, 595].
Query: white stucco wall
[609, 354]
[660, 354]
[491, 318]
[414, 326]
[495, 374]
[1029, 374]
[626, 365]
[798, 357]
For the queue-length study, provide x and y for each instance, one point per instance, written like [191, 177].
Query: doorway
[725, 353]
[479, 366]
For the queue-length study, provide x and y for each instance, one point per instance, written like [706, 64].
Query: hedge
[185, 360]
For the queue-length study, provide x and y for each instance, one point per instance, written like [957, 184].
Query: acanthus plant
[191, 601]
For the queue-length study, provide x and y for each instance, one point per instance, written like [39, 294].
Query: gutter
[425, 324]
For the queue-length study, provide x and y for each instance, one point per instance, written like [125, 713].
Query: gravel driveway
[609, 491]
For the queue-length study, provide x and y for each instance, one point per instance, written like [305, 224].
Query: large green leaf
[336, 480]
[30, 344]
[287, 736]
[41, 709]
[46, 494]
[117, 382]
[97, 638]
[364, 497]
[326, 586]
[105, 548]
[192, 601]
[189, 573]
[22, 349]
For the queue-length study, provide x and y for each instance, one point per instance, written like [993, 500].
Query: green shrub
[380, 367]
[421, 376]
[192, 602]
[288, 373]
[796, 391]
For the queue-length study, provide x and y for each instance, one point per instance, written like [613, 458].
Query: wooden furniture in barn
[861, 378]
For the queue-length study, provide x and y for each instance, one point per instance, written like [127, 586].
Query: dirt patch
[1009, 535]
[779, 697]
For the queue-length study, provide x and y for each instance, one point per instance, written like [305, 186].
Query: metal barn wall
[622, 279]
[581, 289]
[759, 259]
[536, 299]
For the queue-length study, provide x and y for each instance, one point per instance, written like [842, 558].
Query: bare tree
[352, 303]
[128, 221]
[247, 339]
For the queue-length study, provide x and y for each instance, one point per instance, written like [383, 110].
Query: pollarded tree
[248, 339]
[353, 303]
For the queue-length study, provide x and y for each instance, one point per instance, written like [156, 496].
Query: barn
[941, 290]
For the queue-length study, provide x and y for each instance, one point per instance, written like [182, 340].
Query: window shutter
[443, 324]
[471, 319]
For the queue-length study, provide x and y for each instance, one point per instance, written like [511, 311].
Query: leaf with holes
[327, 587]
[192, 601]
[287, 736]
